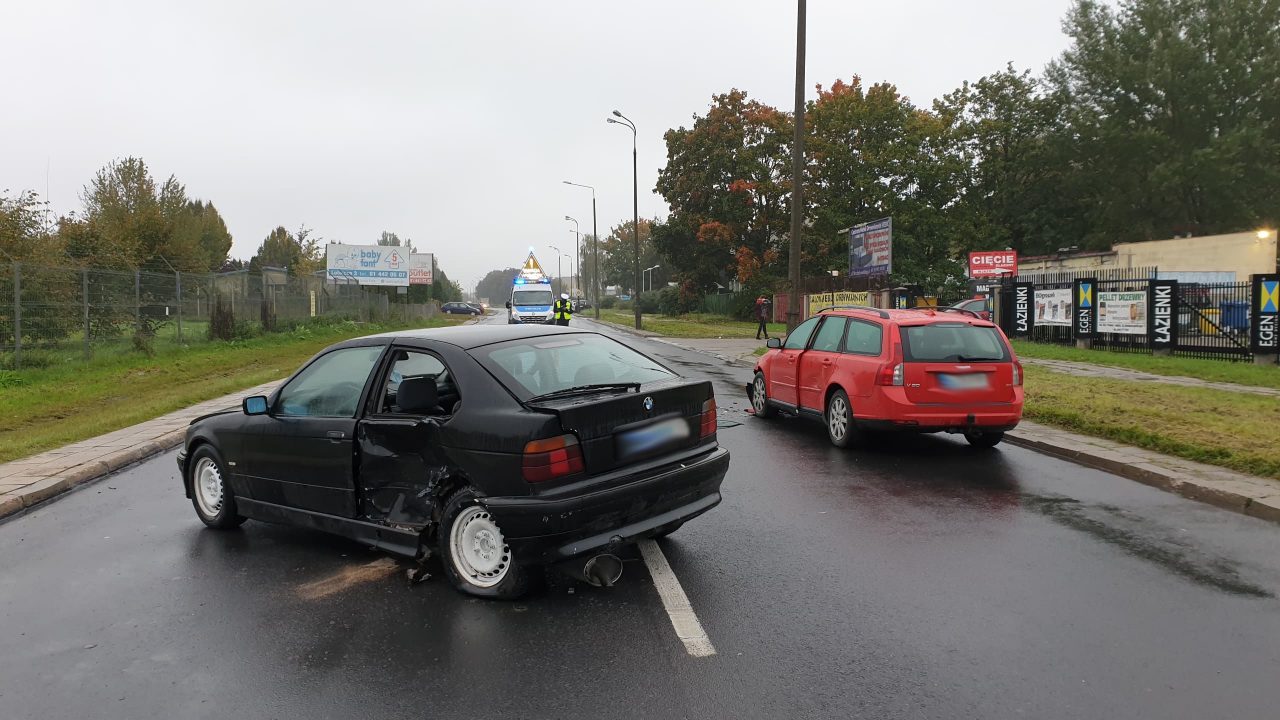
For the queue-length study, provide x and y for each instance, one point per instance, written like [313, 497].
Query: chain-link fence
[56, 310]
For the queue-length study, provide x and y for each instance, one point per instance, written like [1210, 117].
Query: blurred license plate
[642, 441]
[970, 381]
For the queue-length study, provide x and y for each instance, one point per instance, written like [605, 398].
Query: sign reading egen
[997, 263]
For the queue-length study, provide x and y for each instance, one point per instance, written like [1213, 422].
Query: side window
[417, 372]
[330, 386]
[863, 338]
[828, 338]
[798, 339]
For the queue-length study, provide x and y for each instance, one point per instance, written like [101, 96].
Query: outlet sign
[1000, 263]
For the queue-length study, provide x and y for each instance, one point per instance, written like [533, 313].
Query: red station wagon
[866, 369]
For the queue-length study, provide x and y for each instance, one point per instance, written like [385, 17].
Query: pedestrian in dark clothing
[764, 313]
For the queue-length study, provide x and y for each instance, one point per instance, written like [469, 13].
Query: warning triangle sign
[531, 264]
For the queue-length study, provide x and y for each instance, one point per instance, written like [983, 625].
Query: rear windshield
[540, 365]
[953, 342]
[531, 297]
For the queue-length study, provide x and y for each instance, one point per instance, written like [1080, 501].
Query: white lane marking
[683, 619]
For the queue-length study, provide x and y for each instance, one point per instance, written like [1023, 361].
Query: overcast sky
[449, 123]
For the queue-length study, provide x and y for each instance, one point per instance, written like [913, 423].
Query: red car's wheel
[760, 397]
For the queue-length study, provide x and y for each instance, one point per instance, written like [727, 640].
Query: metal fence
[46, 309]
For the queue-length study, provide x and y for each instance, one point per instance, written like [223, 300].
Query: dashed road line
[683, 619]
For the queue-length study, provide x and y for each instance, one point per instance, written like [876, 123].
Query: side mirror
[773, 343]
[256, 405]
[508, 304]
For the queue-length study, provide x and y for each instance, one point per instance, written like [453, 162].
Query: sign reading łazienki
[367, 264]
[871, 248]
[420, 268]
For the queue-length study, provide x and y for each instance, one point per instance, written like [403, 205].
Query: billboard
[1053, 307]
[421, 266]
[367, 264]
[871, 248]
[826, 300]
[995, 264]
[1162, 301]
[1023, 316]
[1085, 308]
[1265, 333]
[1122, 312]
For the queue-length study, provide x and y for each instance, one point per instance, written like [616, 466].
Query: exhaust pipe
[601, 570]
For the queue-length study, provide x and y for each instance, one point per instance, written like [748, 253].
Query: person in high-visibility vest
[563, 309]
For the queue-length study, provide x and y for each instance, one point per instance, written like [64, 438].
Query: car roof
[473, 336]
[914, 316]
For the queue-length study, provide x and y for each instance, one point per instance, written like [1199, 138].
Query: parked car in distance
[863, 370]
[980, 306]
[460, 308]
[479, 308]
[498, 447]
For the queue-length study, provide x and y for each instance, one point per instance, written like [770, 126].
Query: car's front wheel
[760, 397]
[207, 481]
[475, 554]
[839, 417]
[984, 439]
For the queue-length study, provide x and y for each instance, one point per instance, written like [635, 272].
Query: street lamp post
[635, 202]
[595, 244]
[577, 239]
[559, 276]
[650, 271]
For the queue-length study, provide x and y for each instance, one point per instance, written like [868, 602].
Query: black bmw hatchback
[501, 447]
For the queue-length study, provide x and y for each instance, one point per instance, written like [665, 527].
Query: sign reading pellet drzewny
[1122, 312]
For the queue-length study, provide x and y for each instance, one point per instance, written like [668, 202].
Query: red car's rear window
[953, 342]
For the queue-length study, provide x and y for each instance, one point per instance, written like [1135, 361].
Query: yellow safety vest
[563, 309]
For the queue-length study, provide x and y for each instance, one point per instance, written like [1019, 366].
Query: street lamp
[595, 244]
[559, 276]
[650, 271]
[635, 200]
[577, 239]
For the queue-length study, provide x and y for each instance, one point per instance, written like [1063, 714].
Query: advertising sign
[825, 300]
[1122, 312]
[1084, 308]
[1023, 315]
[999, 263]
[1266, 314]
[421, 266]
[1053, 307]
[1163, 305]
[367, 264]
[871, 248]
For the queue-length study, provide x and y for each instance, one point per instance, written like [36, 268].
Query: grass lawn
[1233, 430]
[1211, 370]
[693, 325]
[46, 408]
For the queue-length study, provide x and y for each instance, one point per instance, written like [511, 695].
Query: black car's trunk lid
[619, 427]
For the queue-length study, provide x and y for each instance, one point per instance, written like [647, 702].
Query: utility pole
[797, 175]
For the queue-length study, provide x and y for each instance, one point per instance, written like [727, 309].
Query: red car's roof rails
[868, 308]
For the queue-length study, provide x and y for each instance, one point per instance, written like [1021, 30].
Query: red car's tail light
[1017, 373]
[708, 418]
[892, 373]
[552, 458]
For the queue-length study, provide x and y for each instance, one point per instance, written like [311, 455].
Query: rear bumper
[543, 530]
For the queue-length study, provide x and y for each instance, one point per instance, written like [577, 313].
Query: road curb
[1227, 494]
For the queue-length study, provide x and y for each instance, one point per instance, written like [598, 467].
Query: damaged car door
[400, 461]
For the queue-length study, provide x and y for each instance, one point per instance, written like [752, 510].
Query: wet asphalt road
[917, 579]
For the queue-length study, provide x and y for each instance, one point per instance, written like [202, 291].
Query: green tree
[617, 253]
[496, 285]
[1174, 106]
[23, 234]
[299, 252]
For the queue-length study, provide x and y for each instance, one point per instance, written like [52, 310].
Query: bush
[648, 302]
[674, 301]
[222, 322]
[608, 302]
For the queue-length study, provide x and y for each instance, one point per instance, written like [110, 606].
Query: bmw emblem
[648, 404]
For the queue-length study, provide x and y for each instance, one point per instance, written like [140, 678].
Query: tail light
[708, 418]
[892, 373]
[1017, 373]
[552, 458]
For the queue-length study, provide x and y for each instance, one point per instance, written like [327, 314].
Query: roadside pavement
[31, 480]
[1080, 369]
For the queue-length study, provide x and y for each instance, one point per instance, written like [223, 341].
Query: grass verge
[693, 325]
[1232, 430]
[1210, 370]
[46, 408]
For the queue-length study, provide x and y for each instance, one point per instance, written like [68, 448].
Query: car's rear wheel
[839, 420]
[760, 397]
[214, 502]
[984, 438]
[475, 553]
